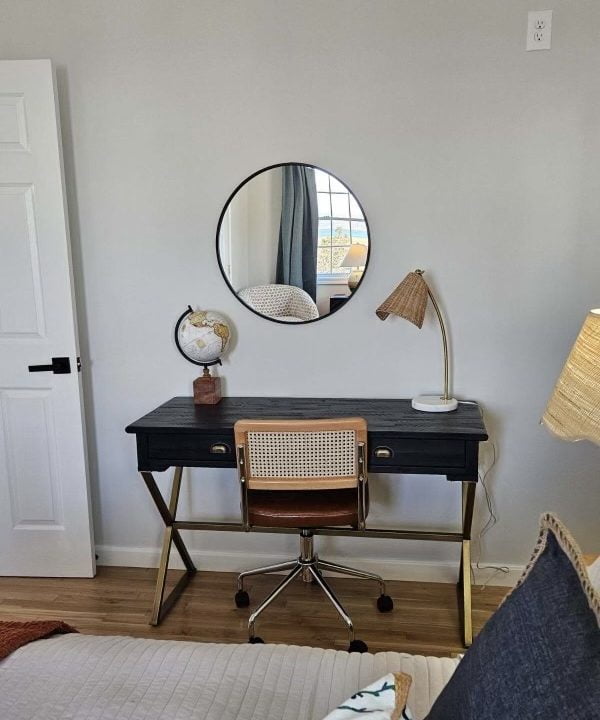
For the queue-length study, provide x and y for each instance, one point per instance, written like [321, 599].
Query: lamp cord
[488, 525]
[492, 518]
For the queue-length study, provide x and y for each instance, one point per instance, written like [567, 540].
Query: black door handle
[60, 366]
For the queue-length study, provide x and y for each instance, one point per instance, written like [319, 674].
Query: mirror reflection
[293, 243]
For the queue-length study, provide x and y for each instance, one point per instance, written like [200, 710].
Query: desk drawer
[413, 453]
[207, 449]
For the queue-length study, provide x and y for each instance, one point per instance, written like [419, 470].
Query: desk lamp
[409, 301]
[356, 257]
[573, 412]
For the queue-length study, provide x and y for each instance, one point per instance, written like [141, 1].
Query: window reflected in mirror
[293, 243]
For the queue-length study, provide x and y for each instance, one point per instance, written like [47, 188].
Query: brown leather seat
[303, 508]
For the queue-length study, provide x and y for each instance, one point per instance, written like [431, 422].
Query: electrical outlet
[539, 29]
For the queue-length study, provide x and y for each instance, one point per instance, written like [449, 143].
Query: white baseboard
[445, 572]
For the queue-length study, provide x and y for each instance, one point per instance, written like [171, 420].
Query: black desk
[336, 301]
[401, 440]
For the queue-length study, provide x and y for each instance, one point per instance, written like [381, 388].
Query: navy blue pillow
[538, 657]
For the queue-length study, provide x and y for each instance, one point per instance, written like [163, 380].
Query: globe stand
[207, 387]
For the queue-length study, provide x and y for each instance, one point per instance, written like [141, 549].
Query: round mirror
[293, 243]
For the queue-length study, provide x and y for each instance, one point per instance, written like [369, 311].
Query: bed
[116, 678]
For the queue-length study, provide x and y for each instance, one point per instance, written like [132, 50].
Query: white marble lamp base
[434, 403]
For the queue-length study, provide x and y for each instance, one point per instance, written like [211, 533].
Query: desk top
[394, 417]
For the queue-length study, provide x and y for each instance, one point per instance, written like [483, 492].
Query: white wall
[472, 158]
[255, 213]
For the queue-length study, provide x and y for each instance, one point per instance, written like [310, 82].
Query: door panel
[13, 127]
[21, 312]
[28, 444]
[45, 526]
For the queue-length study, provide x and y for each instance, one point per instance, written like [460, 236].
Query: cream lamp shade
[356, 257]
[409, 301]
[573, 411]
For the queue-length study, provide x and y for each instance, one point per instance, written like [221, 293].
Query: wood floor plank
[118, 602]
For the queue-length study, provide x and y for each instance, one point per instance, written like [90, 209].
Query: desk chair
[304, 474]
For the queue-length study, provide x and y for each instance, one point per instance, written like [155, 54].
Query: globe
[202, 336]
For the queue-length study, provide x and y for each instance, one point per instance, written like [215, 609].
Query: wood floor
[118, 600]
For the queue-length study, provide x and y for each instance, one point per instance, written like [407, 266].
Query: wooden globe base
[207, 389]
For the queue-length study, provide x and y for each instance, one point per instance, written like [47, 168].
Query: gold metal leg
[171, 535]
[464, 578]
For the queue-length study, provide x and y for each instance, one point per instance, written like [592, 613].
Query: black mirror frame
[222, 269]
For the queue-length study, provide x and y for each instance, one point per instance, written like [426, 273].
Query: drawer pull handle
[219, 449]
[383, 452]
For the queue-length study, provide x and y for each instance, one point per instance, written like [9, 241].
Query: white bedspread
[594, 573]
[77, 677]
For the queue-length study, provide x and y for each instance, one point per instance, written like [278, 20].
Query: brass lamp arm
[444, 337]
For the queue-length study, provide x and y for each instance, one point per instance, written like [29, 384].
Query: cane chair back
[301, 454]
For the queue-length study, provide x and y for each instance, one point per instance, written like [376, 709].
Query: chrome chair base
[309, 567]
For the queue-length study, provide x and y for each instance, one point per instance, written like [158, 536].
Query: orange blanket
[14, 634]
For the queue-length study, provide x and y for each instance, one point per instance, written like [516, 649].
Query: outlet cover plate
[539, 30]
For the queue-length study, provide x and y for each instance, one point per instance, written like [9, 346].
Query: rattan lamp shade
[409, 300]
[573, 412]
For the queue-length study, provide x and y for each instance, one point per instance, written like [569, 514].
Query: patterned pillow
[538, 657]
[385, 699]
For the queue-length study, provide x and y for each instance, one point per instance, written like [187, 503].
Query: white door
[45, 526]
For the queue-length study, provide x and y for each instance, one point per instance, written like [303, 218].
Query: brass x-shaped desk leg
[161, 604]
[464, 577]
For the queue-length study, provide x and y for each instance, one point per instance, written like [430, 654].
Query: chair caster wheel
[255, 640]
[358, 646]
[385, 603]
[242, 599]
